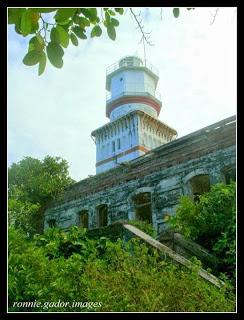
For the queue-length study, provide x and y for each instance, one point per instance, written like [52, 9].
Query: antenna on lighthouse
[144, 50]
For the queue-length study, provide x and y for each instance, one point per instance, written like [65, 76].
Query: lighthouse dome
[130, 61]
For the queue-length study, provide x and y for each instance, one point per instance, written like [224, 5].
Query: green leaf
[35, 27]
[37, 42]
[63, 36]
[64, 14]
[82, 22]
[114, 22]
[76, 19]
[31, 47]
[66, 25]
[65, 22]
[32, 58]
[90, 13]
[93, 12]
[14, 15]
[107, 18]
[111, 12]
[176, 12]
[55, 54]
[26, 23]
[79, 32]
[17, 29]
[96, 31]
[43, 10]
[111, 32]
[42, 64]
[54, 35]
[119, 10]
[74, 40]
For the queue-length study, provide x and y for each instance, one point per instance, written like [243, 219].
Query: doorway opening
[229, 173]
[52, 223]
[102, 215]
[82, 218]
[199, 185]
[143, 206]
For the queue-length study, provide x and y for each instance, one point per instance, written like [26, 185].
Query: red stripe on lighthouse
[132, 99]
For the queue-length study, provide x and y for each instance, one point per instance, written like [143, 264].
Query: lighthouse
[132, 106]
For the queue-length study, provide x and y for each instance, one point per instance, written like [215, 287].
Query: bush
[212, 223]
[143, 226]
[32, 184]
[118, 276]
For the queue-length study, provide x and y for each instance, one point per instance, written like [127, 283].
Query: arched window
[143, 206]
[113, 146]
[229, 173]
[102, 215]
[118, 144]
[199, 184]
[82, 219]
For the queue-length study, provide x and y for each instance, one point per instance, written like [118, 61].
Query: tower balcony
[128, 64]
[131, 62]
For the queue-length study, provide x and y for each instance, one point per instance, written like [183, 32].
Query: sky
[55, 113]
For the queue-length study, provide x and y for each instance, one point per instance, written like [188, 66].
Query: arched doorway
[198, 185]
[143, 206]
[82, 219]
[229, 174]
[102, 215]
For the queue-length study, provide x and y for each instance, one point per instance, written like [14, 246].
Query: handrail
[115, 66]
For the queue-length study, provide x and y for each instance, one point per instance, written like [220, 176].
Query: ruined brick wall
[164, 173]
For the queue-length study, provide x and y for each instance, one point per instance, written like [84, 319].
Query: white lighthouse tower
[133, 106]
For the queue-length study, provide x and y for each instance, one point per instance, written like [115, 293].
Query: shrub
[120, 276]
[143, 226]
[211, 222]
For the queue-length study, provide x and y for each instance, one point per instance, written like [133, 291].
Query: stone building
[142, 169]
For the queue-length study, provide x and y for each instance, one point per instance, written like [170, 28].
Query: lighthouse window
[121, 79]
[113, 146]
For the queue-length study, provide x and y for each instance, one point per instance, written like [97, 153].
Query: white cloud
[55, 113]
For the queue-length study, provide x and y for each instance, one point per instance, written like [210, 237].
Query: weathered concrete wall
[165, 172]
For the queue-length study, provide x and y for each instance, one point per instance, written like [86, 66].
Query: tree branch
[145, 35]
[214, 16]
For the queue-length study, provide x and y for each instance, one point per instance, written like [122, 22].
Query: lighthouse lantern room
[133, 106]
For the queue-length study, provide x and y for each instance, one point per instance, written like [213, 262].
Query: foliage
[22, 214]
[118, 276]
[32, 183]
[211, 222]
[143, 226]
[53, 29]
